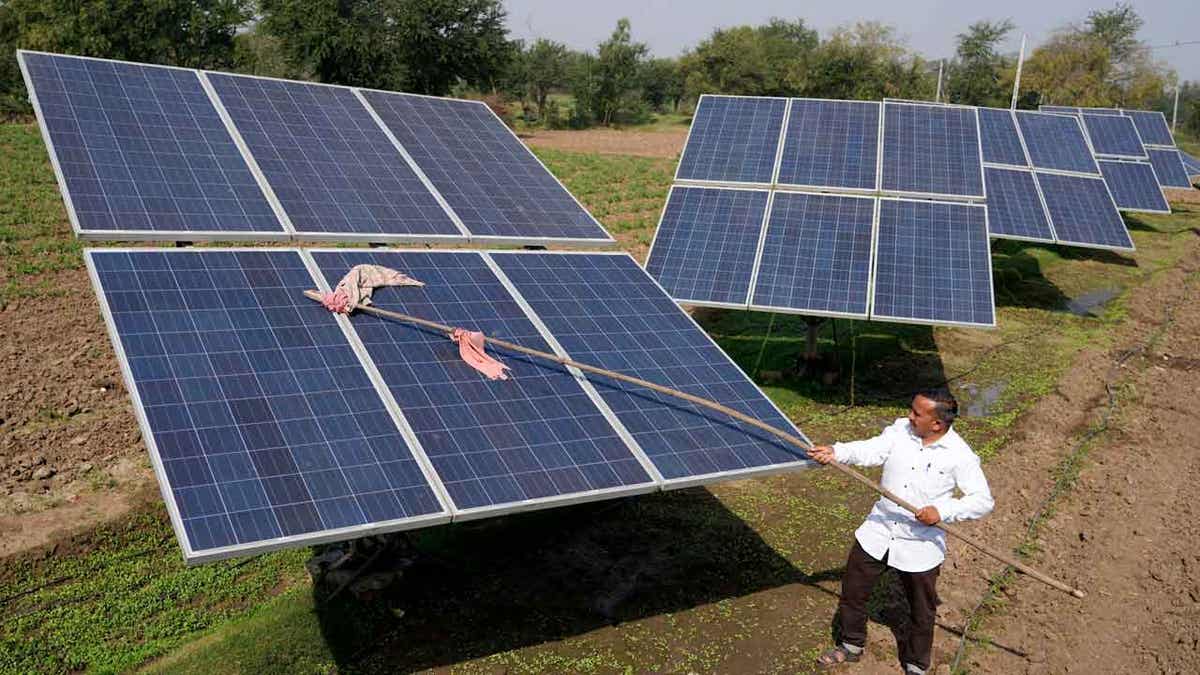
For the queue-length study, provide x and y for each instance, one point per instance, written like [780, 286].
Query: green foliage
[768, 60]
[605, 85]
[868, 61]
[546, 68]
[424, 46]
[980, 75]
[257, 53]
[662, 84]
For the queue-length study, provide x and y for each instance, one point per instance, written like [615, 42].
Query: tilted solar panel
[816, 255]
[733, 139]
[332, 167]
[1014, 207]
[1113, 135]
[263, 426]
[1082, 212]
[999, 138]
[1190, 164]
[142, 149]
[951, 286]
[706, 243]
[1056, 142]
[1134, 186]
[831, 144]
[495, 185]
[606, 311]
[1152, 127]
[1168, 167]
[931, 150]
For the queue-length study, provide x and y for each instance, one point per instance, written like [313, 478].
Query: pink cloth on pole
[356, 287]
[470, 348]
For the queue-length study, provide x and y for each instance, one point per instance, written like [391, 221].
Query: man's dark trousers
[916, 643]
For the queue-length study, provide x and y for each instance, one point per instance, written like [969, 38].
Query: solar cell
[1152, 127]
[332, 167]
[1168, 167]
[706, 243]
[733, 139]
[999, 138]
[816, 255]
[606, 311]
[914, 284]
[1056, 142]
[495, 185]
[141, 151]
[1134, 186]
[263, 426]
[536, 438]
[931, 150]
[1082, 212]
[1113, 135]
[1014, 207]
[831, 144]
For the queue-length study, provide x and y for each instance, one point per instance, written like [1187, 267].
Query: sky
[929, 26]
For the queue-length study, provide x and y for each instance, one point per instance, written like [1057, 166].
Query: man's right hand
[822, 454]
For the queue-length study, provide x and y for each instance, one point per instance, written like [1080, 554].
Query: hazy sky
[670, 26]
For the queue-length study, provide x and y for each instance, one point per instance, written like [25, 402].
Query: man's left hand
[929, 515]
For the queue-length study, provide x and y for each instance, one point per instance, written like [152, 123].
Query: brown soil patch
[611, 141]
[1183, 195]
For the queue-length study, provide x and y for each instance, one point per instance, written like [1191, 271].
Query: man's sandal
[837, 656]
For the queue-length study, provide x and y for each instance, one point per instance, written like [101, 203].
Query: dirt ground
[666, 143]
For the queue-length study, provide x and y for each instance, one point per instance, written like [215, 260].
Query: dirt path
[667, 143]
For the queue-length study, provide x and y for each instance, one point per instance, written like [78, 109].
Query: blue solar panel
[331, 166]
[831, 144]
[142, 149]
[955, 286]
[1014, 207]
[1169, 168]
[493, 182]
[931, 149]
[606, 311]
[1134, 186]
[733, 139]
[706, 243]
[264, 424]
[1113, 135]
[497, 445]
[817, 254]
[1152, 127]
[1190, 164]
[998, 135]
[1082, 211]
[1056, 142]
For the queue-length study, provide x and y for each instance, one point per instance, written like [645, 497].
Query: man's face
[923, 418]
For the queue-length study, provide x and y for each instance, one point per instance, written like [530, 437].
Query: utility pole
[1175, 114]
[938, 97]
[1017, 80]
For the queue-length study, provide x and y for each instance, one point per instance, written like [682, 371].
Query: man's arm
[976, 501]
[871, 452]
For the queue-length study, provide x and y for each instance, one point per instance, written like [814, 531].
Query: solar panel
[606, 311]
[1190, 164]
[1113, 135]
[931, 150]
[1152, 127]
[706, 244]
[140, 152]
[495, 185]
[263, 426]
[1169, 168]
[331, 166]
[1056, 142]
[733, 139]
[999, 138]
[831, 144]
[816, 255]
[1014, 207]
[1134, 186]
[954, 286]
[1082, 211]
[536, 438]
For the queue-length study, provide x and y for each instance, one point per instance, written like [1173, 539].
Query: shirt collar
[948, 439]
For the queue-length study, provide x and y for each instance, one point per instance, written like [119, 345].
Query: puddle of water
[981, 401]
[1082, 305]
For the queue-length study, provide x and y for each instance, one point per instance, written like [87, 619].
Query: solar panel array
[152, 152]
[272, 422]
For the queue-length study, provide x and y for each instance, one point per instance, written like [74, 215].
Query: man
[923, 460]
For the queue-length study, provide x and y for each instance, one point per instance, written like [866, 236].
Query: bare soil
[667, 143]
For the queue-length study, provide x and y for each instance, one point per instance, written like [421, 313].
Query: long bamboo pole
[741, 417]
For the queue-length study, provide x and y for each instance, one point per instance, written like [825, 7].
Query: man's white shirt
[923, 475]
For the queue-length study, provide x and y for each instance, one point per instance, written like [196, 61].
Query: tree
[604, 84]
[661, 83]
[868, 61]
[978, 73]
[547, 66]
[424, 46]
[767, 60]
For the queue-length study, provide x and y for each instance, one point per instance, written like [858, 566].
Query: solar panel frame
[895, 192]
[777, 179]
[676, 179]
[1038, 174]
[1033, 161]
[1169, 168]
[190, 555]
[1112, 179]
[91, 234]
[1096, 134]
[1058, 109]
[993, 202]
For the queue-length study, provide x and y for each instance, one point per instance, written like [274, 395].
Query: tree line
[462, 47]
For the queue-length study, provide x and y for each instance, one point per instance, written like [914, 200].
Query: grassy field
[699, 579]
